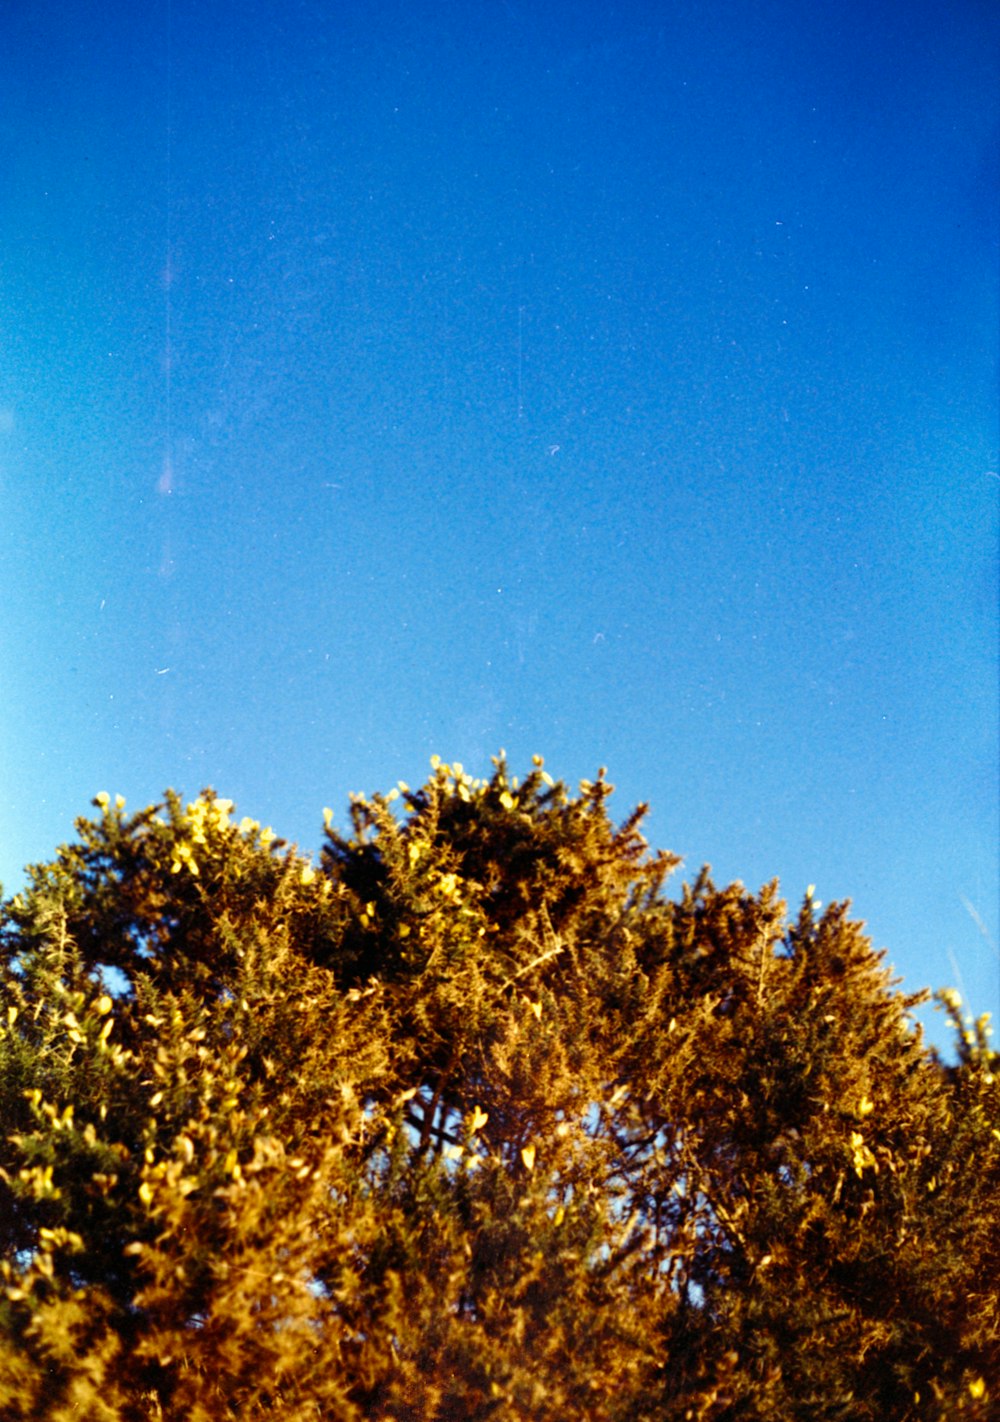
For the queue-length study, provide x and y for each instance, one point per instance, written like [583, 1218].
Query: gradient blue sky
[616, 382]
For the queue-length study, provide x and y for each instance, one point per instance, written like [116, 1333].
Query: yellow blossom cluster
[205, 815]
[103, 801]
[466, 786]
[209, 816]
[183, 859]
[202, 817]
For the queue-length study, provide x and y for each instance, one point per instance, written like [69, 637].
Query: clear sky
[616, 382]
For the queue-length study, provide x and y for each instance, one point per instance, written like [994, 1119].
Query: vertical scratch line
[166, 485]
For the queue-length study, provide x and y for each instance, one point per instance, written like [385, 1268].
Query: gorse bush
[472, 1120]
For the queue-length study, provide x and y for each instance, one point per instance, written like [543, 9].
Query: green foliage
[473, 1121]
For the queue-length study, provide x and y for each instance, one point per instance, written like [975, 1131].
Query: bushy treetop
[471, 1120]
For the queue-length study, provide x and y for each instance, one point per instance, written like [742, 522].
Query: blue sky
[613, 382]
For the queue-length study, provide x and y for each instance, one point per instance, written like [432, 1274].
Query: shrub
[472, 1120]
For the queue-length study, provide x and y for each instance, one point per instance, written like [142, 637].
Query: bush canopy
[471, 1120]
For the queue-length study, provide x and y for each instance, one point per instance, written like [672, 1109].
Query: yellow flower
[977, 1387]
[103, 799]
[863, 1157]
[528, 1155]
[865, 1106]
[196, 821]
[308, 874]
[478, 1121]
[183, 858]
